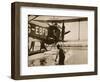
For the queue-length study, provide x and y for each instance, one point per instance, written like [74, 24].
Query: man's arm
[56, 56]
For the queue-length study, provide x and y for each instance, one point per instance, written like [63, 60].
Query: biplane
[47, 29]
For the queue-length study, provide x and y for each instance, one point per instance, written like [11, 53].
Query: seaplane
[47, 29]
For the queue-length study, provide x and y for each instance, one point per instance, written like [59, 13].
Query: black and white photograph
[57, 40]
[50, 40]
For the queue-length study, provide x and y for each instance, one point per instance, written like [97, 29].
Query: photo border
[15, 39]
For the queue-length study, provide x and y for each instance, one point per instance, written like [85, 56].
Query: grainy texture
[16, 39]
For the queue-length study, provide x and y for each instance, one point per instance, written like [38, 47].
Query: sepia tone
[46, 32]
[80, 44]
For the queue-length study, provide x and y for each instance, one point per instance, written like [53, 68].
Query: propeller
[63, 30]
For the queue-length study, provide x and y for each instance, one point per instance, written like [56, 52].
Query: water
[77, 56]
[73, 56]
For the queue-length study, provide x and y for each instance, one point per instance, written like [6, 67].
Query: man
[61, 55]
